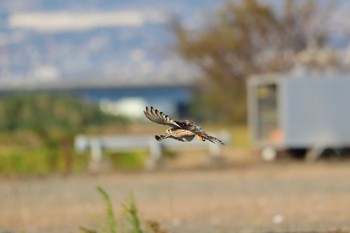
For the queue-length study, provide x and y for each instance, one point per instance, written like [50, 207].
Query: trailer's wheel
[297, 153]
[268, 153]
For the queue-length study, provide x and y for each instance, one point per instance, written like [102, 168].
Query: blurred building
[128, 101]
[131, 101]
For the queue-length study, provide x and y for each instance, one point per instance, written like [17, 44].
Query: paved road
[252, 198]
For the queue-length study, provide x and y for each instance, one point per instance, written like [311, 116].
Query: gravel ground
[254, 197]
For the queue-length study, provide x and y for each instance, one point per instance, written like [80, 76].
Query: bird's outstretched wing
[159, 117]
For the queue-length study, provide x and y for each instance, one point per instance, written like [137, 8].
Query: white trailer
[305, 115]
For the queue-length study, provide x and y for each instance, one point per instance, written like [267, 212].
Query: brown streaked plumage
[183, 131]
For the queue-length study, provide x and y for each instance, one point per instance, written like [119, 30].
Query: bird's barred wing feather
[159, 117]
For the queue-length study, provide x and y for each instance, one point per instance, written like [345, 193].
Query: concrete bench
[97, 144]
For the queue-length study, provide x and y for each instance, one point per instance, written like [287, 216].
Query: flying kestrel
[183, 131]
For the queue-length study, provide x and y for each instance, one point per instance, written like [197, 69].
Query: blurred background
[75, 77]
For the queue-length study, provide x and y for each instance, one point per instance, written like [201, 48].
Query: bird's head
[187, 122]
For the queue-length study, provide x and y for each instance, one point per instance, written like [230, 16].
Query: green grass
[127, 222]
[240, 137]
[131, 160]
[37, 132]
[111, 223]
[24, 160]
[132, 215]
[26, 153]
[39, 162]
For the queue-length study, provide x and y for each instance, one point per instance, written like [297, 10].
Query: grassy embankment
[37, 133]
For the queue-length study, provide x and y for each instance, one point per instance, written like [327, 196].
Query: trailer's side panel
[316, 112]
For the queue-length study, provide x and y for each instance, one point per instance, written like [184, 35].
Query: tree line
[243, 38]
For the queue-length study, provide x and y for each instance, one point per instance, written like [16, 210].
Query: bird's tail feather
[214, 139]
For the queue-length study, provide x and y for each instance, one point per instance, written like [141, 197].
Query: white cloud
[137, 54]
[70, 20]
[46, 73]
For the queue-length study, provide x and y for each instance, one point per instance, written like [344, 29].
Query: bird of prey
[183, 131]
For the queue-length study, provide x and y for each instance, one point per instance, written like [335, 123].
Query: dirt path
[252, 198]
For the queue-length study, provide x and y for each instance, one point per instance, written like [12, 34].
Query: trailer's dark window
[267, 111]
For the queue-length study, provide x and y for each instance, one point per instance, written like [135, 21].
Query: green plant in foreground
[110, 217]
[132, 215]
[128, 222]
